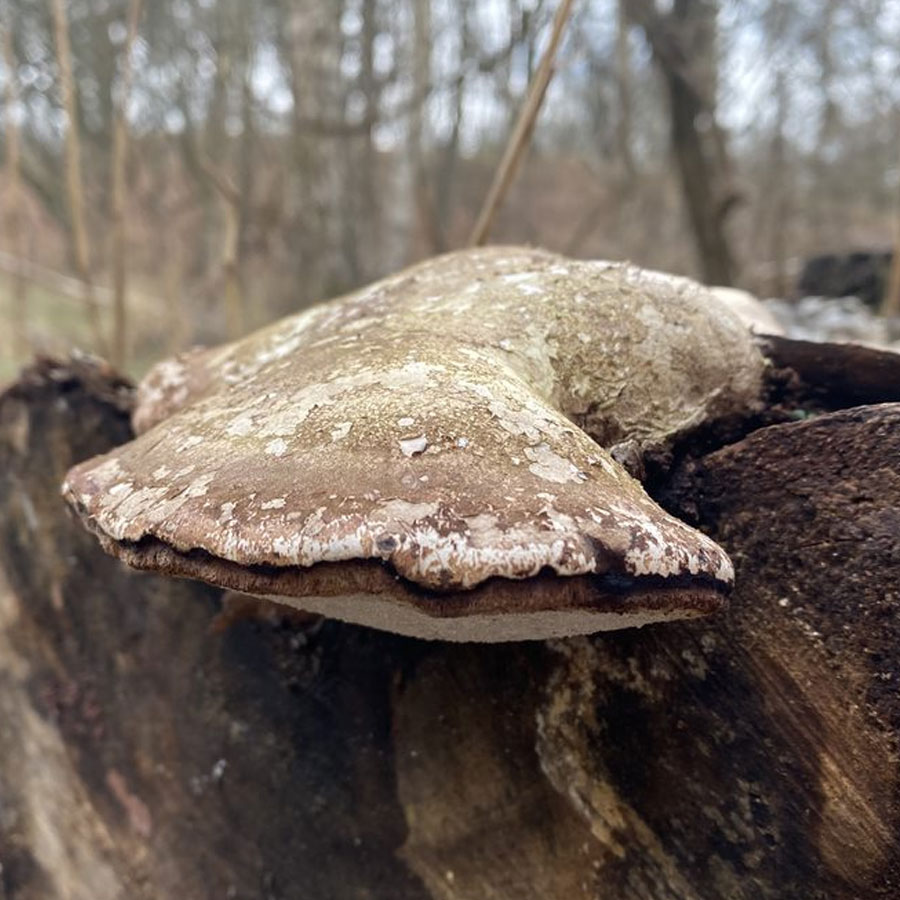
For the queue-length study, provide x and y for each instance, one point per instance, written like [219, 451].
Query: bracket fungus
[435, 454]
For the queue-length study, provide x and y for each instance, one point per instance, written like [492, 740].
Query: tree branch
[524, 126]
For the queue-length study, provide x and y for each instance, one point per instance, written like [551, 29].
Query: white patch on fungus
[190, 441]
[199, 486]
[278, 447]
[340, 431]
[551, 466]
[413, 446]
[518, 277]
[241, 426]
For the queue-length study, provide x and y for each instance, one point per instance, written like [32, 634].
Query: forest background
[176, 172]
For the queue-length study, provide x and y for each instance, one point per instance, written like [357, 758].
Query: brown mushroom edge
[370, 593]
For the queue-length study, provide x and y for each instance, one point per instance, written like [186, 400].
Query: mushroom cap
[431, 454]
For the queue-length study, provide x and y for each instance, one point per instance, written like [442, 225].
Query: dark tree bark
[149, 749]
[156, 743]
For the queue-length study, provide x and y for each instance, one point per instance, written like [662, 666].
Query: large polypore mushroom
[436, 454]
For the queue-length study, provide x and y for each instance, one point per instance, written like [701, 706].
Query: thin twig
[521, 133]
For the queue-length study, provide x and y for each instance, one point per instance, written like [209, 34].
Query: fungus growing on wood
[435, 454]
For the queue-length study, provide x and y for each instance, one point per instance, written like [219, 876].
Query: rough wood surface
[155, 744]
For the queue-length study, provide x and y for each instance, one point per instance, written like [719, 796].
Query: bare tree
[310, 44]
[625, 92]
[524, 126]
[74, 186]
[230, 199]
[247, 162]
[683, 44]
[445, 175]
[422, 215]
[368, 169]
[822, 219]
[890, 305]
[779, 186]
[119, 191]
[207, 146]
[359, 133]
[14, 225]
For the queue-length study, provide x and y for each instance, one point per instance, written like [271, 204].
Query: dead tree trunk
[152, 746]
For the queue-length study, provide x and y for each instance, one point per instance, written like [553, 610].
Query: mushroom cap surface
[431, 454]
[758, 317]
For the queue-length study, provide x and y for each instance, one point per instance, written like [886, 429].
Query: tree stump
[156, 742]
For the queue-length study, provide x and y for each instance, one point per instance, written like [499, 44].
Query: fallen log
[157, 743]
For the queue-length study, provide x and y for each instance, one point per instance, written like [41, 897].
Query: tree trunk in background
[780, 189]
[230, 205]
[235, 314]
[369, 223]
[624, 89]
[421, 236]
[822, 209]
[448, 158]
[12, 209]
[119, 192]
[684, 47]
[149, 739]
[74, 187]
[178, 330]
[311, 49]
[520, 137]
[247, 166]
[890, 305]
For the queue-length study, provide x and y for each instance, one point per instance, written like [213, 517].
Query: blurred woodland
[181, 171]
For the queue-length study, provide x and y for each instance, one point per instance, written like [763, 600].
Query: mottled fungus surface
[435, 454]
